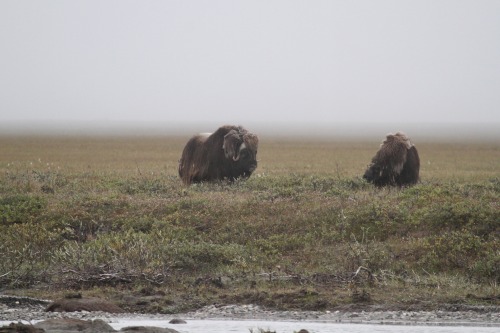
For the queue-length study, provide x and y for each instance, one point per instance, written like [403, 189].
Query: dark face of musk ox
[227, 154]
[395, 164]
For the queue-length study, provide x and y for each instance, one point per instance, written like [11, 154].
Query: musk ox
[395, 164]
[229, 153]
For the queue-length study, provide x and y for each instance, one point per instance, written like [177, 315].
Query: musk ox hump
[392, 153]
[404, 139]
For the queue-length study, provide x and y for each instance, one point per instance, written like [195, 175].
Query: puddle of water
[254, 326]
[248, 326]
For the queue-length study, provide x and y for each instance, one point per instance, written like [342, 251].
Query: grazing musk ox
[396, 163]
[228, 153]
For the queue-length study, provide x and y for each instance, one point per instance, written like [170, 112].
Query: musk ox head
[228, 153]
[240, 144]
[396, 163]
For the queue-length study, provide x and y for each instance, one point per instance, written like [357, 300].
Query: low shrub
[20, 208]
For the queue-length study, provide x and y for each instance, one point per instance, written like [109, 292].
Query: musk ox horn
[251, 141]
[232, 142]
[237, 157]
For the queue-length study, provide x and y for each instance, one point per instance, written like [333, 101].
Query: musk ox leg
[411, 170]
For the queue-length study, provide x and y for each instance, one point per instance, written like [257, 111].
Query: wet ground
[244, 318]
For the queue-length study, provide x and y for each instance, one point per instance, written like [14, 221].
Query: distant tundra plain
[108, 216]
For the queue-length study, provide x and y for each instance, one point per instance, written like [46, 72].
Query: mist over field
[330, 69]
[419, 132]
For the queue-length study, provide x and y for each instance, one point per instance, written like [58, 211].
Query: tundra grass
[109, 215]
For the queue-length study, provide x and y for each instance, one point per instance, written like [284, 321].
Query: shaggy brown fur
[396, 163]
[229, 153]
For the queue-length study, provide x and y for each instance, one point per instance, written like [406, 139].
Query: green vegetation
[110, 216]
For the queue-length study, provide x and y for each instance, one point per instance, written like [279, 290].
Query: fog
[418, 132]
[279, 67]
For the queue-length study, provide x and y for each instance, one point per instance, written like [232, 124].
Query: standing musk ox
[395, 164]
[229, 153]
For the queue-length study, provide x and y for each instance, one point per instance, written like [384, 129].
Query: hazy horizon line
[362, 130]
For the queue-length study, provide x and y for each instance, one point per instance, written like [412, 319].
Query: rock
[83, 304]
[20, 328]
[177, 321]
[74, 325]
[148, 329]
[73, 295]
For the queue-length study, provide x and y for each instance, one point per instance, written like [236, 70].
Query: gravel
[14, 309]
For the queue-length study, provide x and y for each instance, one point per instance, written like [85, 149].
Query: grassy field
[109, 216]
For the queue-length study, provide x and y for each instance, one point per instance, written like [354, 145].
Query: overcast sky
[243, 62]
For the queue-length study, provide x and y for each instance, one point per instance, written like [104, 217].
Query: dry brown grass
[159, 155]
